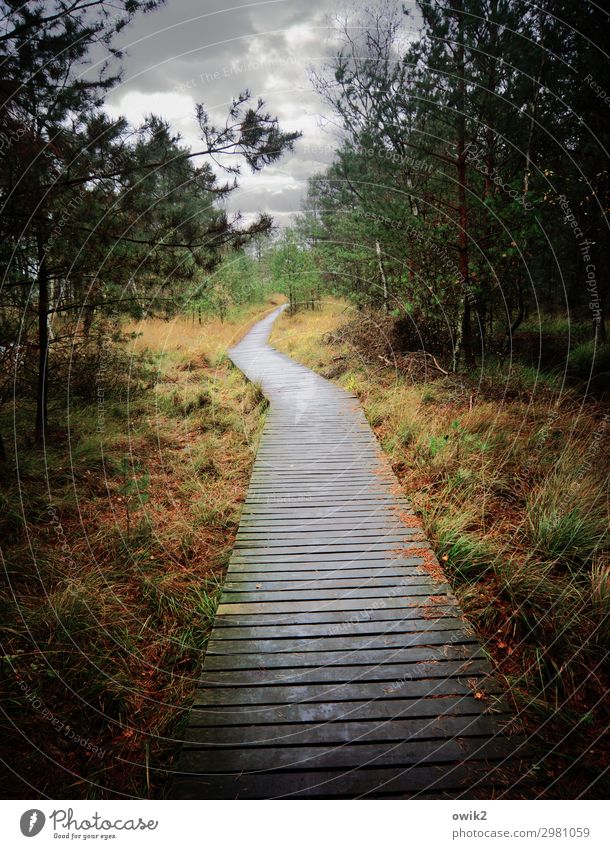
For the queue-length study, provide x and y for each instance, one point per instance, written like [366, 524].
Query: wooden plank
[287, 607]
[349, 643]
[331, 581]
[328, 564]
[405, 753]
[297, 536]
[284, 631]
[399, 782]
[352, 691]
[314, 498]
[378, 710]
[316, 559]
[364, 657]
[394, 675]
[329, 469]
[275, 527]
[333, 578]
[421, 586]
[259, 546]
[314, 543]
[337, 667]
[340, 617]
[291, 734]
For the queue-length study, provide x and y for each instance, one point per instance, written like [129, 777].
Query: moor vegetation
[116, 538]
[509, 479]
[126, 438]
[449, 267]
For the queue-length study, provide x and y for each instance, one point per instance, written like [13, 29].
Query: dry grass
[513, 496]
[209, 338]
[114, 572]
[300, 334]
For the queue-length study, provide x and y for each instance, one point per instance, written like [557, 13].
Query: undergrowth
[116, 536]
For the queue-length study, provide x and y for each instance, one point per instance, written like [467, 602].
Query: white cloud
[177, 109]
[299, 34]
[188, 52]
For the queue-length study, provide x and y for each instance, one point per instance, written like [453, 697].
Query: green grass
[563, 532]
[110, 594]
[588, 358]
[507, 473]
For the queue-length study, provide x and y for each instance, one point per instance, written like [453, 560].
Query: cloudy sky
[192, 52]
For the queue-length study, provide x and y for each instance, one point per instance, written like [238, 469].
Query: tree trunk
[456, 348]
[384, 280]
[485, 297]
[43, 348]
[466, 324]
[531, 109]
[517, 320]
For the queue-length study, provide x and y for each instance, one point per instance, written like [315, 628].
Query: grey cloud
[209, 54]
[184, 38]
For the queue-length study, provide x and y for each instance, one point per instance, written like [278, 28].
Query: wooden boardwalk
[339, 663]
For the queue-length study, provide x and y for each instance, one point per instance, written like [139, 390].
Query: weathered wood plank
[394, 675]
[377, 710]
[286, 607]
[460, 780]
[292, 581]
[364, 657]
[283, 631]
[405, 753]
[421, 586]
[352, 691]
[291, 734]
[304, 537]
[341, 617]
[339, 665]
[328, 564]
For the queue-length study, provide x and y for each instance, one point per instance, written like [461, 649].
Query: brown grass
[113, 579]
[430, 564]
[187, 339]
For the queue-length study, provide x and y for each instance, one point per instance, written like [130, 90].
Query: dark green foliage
[99, 219]
[470, 191]
[293, 270]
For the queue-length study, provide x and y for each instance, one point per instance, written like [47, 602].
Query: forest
[448, 267]
[468, 194]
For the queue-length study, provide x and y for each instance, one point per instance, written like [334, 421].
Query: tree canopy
[98, 218]
[467, 189]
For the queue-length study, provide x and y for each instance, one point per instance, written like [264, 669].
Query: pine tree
[92, 220]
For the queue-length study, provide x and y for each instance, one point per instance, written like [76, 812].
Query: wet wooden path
[339, 663]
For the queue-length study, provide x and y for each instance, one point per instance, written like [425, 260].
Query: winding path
[339, 663]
